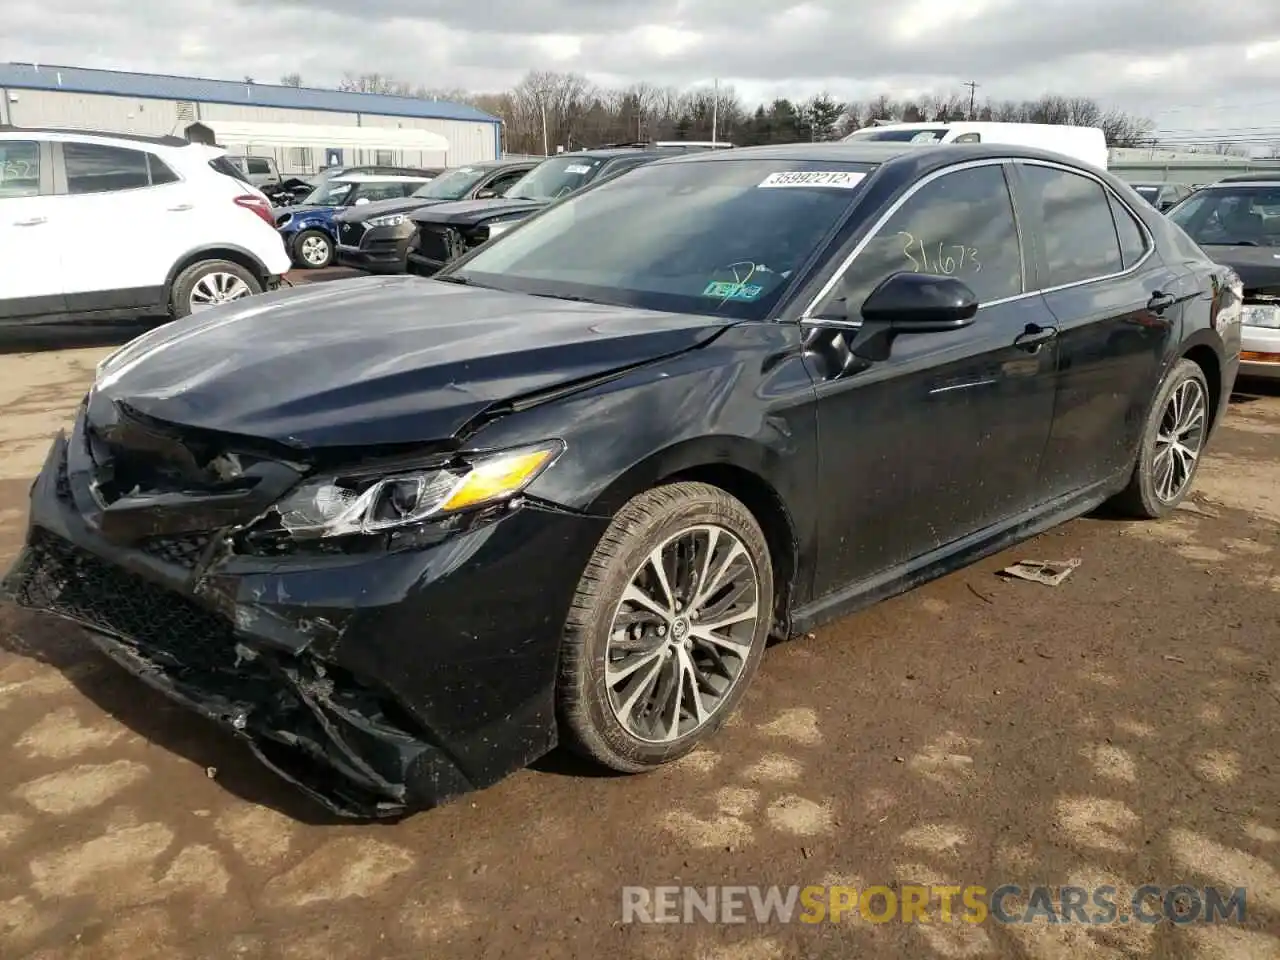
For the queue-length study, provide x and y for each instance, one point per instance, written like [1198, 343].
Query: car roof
[1250, 178]
[497, 164]
[8, 131]
[928, 157]
[380, 178]
[608, 153]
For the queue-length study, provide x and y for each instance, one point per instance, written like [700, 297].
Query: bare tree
[575, 113]
[291, 80]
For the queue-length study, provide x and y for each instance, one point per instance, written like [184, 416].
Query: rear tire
[1172, 443]
[312, 249]
[210, 283]
[648, 671]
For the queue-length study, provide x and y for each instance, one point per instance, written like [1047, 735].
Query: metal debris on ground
[1049, 572]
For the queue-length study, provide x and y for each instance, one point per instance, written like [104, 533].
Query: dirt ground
[1119, 728]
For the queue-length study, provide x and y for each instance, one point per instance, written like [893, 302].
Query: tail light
[257, 205]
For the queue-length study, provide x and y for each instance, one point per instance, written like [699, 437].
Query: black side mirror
[921, 303]
[485, 194]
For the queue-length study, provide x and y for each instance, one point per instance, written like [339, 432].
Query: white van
[1084, 143]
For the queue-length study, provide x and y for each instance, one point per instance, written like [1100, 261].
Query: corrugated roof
[158, 86]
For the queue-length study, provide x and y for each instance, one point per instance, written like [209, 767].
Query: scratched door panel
[1101, 273]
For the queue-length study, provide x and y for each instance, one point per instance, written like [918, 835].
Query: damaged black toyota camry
[404, 536]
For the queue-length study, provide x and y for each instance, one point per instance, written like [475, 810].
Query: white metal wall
[469, 142]
[88, 111]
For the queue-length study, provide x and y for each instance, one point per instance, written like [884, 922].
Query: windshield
[555, 178]
[722, 237]
[330, 193]
[451, 185]
[1231, 216]
[913, 135]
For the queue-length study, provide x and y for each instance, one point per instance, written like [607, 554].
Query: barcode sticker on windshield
[814, 178]
[577, 168]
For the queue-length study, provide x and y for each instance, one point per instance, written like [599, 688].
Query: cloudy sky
[1190, 65]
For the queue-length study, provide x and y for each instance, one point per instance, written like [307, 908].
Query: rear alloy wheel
[210, 283]
[1172, 442]
[668, 626]
[312, 249]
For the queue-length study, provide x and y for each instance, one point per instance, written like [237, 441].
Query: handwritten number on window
[948, 259]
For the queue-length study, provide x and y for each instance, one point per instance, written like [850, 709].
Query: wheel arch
[742, 468]
[1210, 363]
[225, 251]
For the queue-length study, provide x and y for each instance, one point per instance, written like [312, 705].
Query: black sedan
[405, 535]
[375, 237]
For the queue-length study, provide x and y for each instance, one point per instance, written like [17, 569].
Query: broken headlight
[338, 506]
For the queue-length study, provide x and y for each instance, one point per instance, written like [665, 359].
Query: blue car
[308, 229]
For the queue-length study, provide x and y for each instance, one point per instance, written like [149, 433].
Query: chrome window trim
[1146, 232]
[1148, 237]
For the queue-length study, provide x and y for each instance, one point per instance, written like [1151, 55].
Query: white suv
[112, 226]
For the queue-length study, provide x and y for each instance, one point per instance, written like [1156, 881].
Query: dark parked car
[445, 231]
[309, 229]
[1162, 195]
[376, 237]
[1237, 222]
[404, 536]
[294, 189]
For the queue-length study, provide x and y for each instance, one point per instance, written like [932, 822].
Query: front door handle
[1034, 337]
[33, 222]
[180, 208]
[1161, 301]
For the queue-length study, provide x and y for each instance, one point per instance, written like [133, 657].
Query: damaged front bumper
[378, 682]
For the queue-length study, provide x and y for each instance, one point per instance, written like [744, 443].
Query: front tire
[667, 627]
[312, 249]
[1172, 441]
[210, 283]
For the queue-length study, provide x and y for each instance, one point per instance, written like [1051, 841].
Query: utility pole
[546, 149]
[973, 96]
[715, 109]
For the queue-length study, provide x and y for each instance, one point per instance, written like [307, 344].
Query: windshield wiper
[453, 278]
[1235, 243]
[568, 296]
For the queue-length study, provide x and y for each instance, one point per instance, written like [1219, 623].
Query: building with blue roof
[46, 95]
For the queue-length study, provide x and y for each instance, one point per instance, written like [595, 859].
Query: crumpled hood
[475, 211]
[1259, 267]
[378, 360]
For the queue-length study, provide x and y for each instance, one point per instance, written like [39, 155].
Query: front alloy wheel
[313, 249]
[668, 625]
[682, 634]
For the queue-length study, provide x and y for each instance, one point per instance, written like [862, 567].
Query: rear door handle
[1161, 301]
[1034, 337]
[33, 222]
[180, 208]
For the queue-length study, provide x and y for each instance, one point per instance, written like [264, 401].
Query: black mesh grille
[183, 551]
[349, 234]
[62, 484]
[56, 576]
[436, 243]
